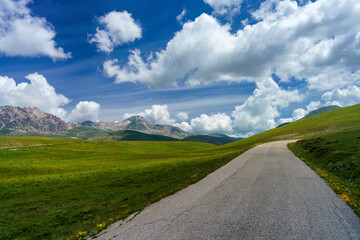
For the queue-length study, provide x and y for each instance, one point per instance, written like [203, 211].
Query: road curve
[266, 193]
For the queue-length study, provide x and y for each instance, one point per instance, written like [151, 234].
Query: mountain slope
[209, 139]
[32, 121]
[16, 120]
[334, 121]
[136, 123]
[84, 132]
[218, 135]
[315, 112]
[130, 135]
[322, 110]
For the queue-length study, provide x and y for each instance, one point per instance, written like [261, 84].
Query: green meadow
[55, 188]
[61, 188]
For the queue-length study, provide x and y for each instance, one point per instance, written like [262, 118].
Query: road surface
[266, 193]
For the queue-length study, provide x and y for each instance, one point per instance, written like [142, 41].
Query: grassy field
[56, 188]
[61, 188]
[336, 157]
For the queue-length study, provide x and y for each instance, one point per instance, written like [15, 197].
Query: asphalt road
[266, 193]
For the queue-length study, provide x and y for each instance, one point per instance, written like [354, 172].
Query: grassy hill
[63, 188]
[322, 110]
[330, 145]
[129, 135]
[331, 122]
[84, 132]
[209, 139]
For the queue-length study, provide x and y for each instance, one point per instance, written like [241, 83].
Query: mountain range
[136, 123]
[32, 121]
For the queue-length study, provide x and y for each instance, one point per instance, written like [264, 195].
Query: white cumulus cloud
[342, 97]
[182, 116]
[118, 28]
[204, 124]
[39, 93]
[313, 106]
[22, 34]
[85, 111]
[318, 42]
[259, 111]
[157, 114]
[299, 113]
[225, 6]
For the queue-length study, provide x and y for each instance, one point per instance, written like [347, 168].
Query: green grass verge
[336, 158]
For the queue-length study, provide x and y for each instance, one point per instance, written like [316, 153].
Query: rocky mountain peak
[137, 118]
[16, 120]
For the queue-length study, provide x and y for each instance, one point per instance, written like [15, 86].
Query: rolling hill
[130, 135]
[209, 139]
[322, 110]
[315, 112]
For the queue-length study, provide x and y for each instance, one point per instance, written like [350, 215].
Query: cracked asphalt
[266, 193]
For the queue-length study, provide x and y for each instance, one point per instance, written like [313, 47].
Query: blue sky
[232, 66]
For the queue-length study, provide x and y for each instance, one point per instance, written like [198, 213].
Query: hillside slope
[136, 123]
[315, 112]
[209, 139]
[330, 144]
[129, 135]
[347, 118]
[322, 110]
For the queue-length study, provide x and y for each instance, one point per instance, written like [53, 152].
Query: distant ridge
[136, 123]
[131, 135]
[32, 121]
[315, 112]
[322, 110]
[16, 120]
[218, 135]
[210, 139]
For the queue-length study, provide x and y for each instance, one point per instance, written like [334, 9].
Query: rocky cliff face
[16, 120]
